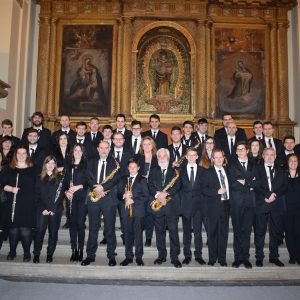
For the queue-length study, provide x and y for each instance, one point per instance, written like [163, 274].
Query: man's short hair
[174, 128]
[188, 123]
[257, 122]
[202, 121]
[39, 114]
[7, 122]
[81, 123]
[32, 130]
[136, 122]
[289, 137]
[107, 127]
[267, 123]
[121, 116]
[154, 116]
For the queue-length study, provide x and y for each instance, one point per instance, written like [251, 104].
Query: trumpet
[156, 205]
[93, 196]
[128, 188]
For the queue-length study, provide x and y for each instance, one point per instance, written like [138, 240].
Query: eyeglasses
[241, 149]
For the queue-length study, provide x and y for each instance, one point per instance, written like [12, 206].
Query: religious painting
[240, 75]
[86, 70]
[163, 73]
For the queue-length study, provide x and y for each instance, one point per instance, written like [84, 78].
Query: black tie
[31, 152]
[270, 144]
[203, 139]
[135, 145]
[192, 177]
[231, 145]
[118, 156]
[271, 170]
[259, 137]
[177, 154]
[163, 177]
[244, 165]
[222, 178]
[102, 171]
[65, 131]
[187, 141]
[154, 135]
[94, 136]
[130, 180]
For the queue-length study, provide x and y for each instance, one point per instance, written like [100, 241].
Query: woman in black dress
[6, 150]
[255, 152]
[292, 216]
[77, 176]
[19, 184]
[50, 189]
[208, 147]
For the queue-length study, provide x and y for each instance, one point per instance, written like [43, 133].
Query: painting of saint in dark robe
[86, 71]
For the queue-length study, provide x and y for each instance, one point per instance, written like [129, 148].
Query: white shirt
[226, 181]
[269, 175]
[179, 150]
[39, 128]
[120, 150]
[268, 143]
[92, 134]
[133, 178]
[154, 131]
[201, 135]
[32, 147]
[121, 130]
[189, 170]
[246, 163]
[288, 152]
[100, 163]
[259, 137]
[66, 130]
[138, 144]
[81, 138]
[229, 142]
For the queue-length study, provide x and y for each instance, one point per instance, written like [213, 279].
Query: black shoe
[74, 256]
[66, 225]
[176, 263]
[186, 261]
[36, 259]
[276, 262]
[148, 243]
[236, 264]
[26, 257]
[292, 261]
[259, 263]
[11, 256]
[247, 264]
[87, 261]
[139, 262]
[49, 259]
[103, 242]
[200, 261]
[159, 261]
[223, 263]
[112, 262]
[211, 263]
[80, 255]
[126, 262]
[298, 261]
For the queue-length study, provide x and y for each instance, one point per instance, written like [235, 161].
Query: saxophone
[182, 158]
[157, 205]
[93, 196]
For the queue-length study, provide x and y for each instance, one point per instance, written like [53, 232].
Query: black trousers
[120, 208]
[242, 222]
[133, 233]
[275, 224]
[109, 214]
[188, 223]
[160, 224]
[22, 234]
[53, 224]
[149, 223]
[292, 233]
[218, 227]
[77, 224]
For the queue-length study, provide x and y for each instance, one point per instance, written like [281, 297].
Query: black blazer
[141, 160]
[127, 134]
[297, 149]
[191, 197]
[223, 144]
[96, 141]
[198, 141]
[279, 148]
[161, 139]
[192, 141]
[210, 187]
[262, 191]
[91, 151]
[172, 152]
[242, 195]
[222, 133]
[38, 158]
[140, 194]
[172, 208]
[126, 155]
[111, 198]
[44, 141]
[71, 136]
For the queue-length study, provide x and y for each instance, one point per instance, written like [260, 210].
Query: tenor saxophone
[93, 196]
[156, 205]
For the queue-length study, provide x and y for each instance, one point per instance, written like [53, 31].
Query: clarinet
[59, 188]
[14, 201]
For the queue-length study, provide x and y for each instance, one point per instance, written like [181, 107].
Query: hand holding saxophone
[162, 197]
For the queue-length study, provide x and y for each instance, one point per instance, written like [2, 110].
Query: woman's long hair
[148, 138]
[83, 161]
[55, 175]
[14, 160]
[205, 161]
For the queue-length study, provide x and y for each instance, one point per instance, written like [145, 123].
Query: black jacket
[222, 133]
[161, 139]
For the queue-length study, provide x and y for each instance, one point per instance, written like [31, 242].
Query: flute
[71, 184]
[14, 201]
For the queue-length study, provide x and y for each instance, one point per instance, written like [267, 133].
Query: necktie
[177, 154]
[202, 139]
[130, 180]
[259, 137]
[118, 156]
[65, 131]
[31, 152]
[222, 179]
[271, 170]
[135, 145]
[163, 177]
[270, 143]
[231, 145]
[192, 177]
[154, 135]
[187, 141]
[94, 136]
[102, 171]
[244, 165]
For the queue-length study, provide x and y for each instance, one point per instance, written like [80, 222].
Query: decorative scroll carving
[3, 87]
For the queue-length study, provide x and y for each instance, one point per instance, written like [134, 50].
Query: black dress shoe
[126, 262]
[139, 262]
[26, 257]
[49, 259]
[211, 263]
[74, 255]
[200, 261]
[236, 264]
[276, 262]
[112, 262]
[247, 264]
[298, 261]
[148, 243]
[80, 255]
[176, 263]
[103, 242]
[223, 263]
[36, 259]
[11, 256]
[87, 261]
[292, 261]
[159, 261]
[259, 263]
[186, 261]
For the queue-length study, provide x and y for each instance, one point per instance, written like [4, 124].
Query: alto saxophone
[93, 196]
[156, 205]
[182, 158]
[128, 188]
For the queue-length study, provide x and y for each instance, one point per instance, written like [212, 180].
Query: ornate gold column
[43, 63]
[200, 103]
[210, 90]
[125, 106]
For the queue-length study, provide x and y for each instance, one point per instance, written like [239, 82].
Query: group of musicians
[151, 184]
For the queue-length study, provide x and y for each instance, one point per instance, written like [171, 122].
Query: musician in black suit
[177, 149]
[258, 132]
[270, 207]
[228, 144]
[193, 209]
[45, 140]
[242, 181]
[188, 137]
[217, 194]
[160, 138]
[7, 130]
[107, 132]
[80, 138]
[269, 141]
[134, 193]
[120, 126]
[94, 136]
[64, 128]
[164, 181]
[133, 144]
[289, 148]
[100, 168]
[222, 132]
[201, 134]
